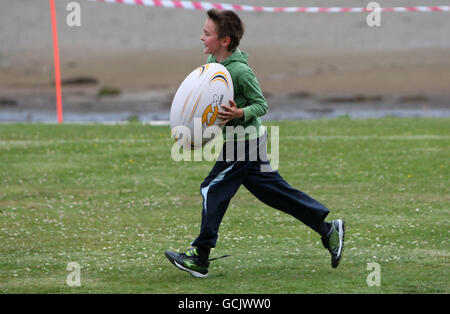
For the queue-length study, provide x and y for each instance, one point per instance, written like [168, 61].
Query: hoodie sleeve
[256, 103]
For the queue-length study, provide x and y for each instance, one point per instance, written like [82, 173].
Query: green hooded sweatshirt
[247, 95]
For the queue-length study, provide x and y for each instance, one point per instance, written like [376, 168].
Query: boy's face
[211, 41]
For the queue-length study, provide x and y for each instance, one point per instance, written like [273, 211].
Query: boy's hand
[231, 112]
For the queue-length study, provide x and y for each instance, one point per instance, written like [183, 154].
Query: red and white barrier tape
[194, 5]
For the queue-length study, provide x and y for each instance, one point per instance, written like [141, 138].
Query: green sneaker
[334, 241]
[190, 262]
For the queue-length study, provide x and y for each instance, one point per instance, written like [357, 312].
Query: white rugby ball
[197, 102]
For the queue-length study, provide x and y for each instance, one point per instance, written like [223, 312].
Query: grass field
[111, 199]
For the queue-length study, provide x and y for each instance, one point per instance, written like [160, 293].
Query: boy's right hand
[231, 112]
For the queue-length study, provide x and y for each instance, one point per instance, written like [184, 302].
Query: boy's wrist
[241, 114]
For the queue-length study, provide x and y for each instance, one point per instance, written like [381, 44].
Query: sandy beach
[322, 64]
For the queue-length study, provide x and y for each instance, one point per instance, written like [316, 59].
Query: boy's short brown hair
[229, 24]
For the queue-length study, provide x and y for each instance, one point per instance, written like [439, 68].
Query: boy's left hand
[231, 112]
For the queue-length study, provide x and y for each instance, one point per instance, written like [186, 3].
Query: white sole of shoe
[341, 235]
[192, 272]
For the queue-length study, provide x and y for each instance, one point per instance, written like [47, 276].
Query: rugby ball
[197, 102]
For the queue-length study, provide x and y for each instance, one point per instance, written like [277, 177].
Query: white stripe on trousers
[204, 191]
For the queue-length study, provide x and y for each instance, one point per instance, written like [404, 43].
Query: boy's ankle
[203, 253]
[324, 229]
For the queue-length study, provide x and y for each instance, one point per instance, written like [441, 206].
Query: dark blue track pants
[226, 177]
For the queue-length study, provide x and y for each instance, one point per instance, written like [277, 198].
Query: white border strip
[200, 5]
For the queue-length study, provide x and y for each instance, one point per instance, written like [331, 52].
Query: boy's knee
[204, 184]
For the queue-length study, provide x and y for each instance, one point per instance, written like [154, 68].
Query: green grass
[111, 199]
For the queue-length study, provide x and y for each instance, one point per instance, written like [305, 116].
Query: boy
[221, 35]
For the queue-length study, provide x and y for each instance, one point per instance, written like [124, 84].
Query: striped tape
[195, 5]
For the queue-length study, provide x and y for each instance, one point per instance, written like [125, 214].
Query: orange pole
[56, 61]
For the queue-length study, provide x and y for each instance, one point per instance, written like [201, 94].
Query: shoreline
[162, 118]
